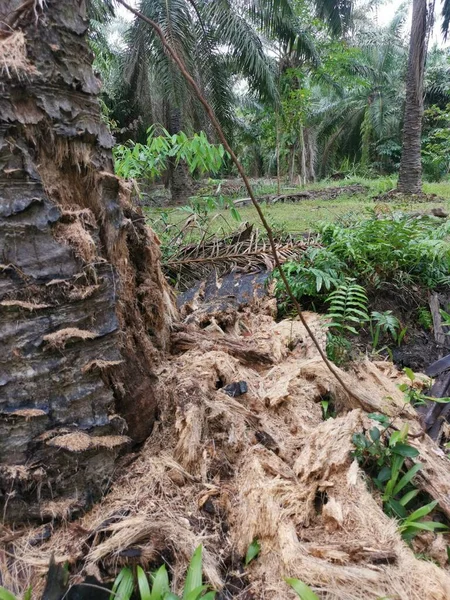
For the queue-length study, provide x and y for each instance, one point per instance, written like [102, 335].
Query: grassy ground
[304, 215]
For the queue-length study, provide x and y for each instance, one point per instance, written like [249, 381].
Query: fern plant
[387, 323]
[348, 307]
[315, 274]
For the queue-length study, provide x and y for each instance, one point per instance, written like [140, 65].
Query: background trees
[316, 88]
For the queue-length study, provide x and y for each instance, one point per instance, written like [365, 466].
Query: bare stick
[209, 111]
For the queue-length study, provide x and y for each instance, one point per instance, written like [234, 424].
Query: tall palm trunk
[180, 180]
[410, 176]
[83, 304]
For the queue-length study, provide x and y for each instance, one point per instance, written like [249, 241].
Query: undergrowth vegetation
[159, 589]
[405, 255]
[383, 455]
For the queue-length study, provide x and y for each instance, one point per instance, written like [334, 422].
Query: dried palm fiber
[269, 467]
[13, 55]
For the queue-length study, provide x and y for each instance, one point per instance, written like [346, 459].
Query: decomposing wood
[439, 333]
[186, 338]
[435, 414]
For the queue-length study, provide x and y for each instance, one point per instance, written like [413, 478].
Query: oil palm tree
[355, 120]
[81, 292]
[219, 42]
[410, 175]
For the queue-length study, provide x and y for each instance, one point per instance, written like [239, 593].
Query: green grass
[304, 215]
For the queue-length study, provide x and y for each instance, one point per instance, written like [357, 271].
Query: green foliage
[6, 595]
[160, 588]
[150, 160]
[424, 318]
[394, 249]
[383, 458]
[302, 590]
[338, 348]
[253, 550]
[385, 323]
[348, 307]
[415, 396]
[400, 250]
[436, 143]
[316, 273]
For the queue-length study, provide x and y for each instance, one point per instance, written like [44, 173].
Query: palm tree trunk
[83, 304]
[410, 176]
[180, 180]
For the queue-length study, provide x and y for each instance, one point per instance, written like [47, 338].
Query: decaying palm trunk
[410, 175]
[84, 311]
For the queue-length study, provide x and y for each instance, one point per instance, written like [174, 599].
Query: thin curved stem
[209, 111]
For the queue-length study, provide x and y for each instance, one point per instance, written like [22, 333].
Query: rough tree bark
[410, 175]
[84, 310]
[180, 180]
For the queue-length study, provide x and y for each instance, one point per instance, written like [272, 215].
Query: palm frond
[246, 252]
[446, 18]
[335, 13]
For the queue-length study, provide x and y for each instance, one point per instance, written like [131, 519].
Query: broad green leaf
[405, 450]
[408, 497]
[422, 511]
[397, 508]
[303, 591]
[384, 474]
[409, 374]
[194, 573]
[380, 418]
[123, 585]
[253, 550]
[160, 584]
[27, 595]
[407, 477]
[423, 525]
[374, 434]
[197, 593]
[144, 587]
[5, 595]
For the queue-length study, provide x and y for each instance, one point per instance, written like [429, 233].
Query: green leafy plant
[399, 249]
[316, 273]
[425, 318]
[385, 464]
[348, 307]
[338, 348]
[6, 595]
[194, 589]
[149, 161]
[385, 323]
[253, 550]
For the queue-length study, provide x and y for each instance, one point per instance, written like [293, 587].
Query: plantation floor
[304, 215]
